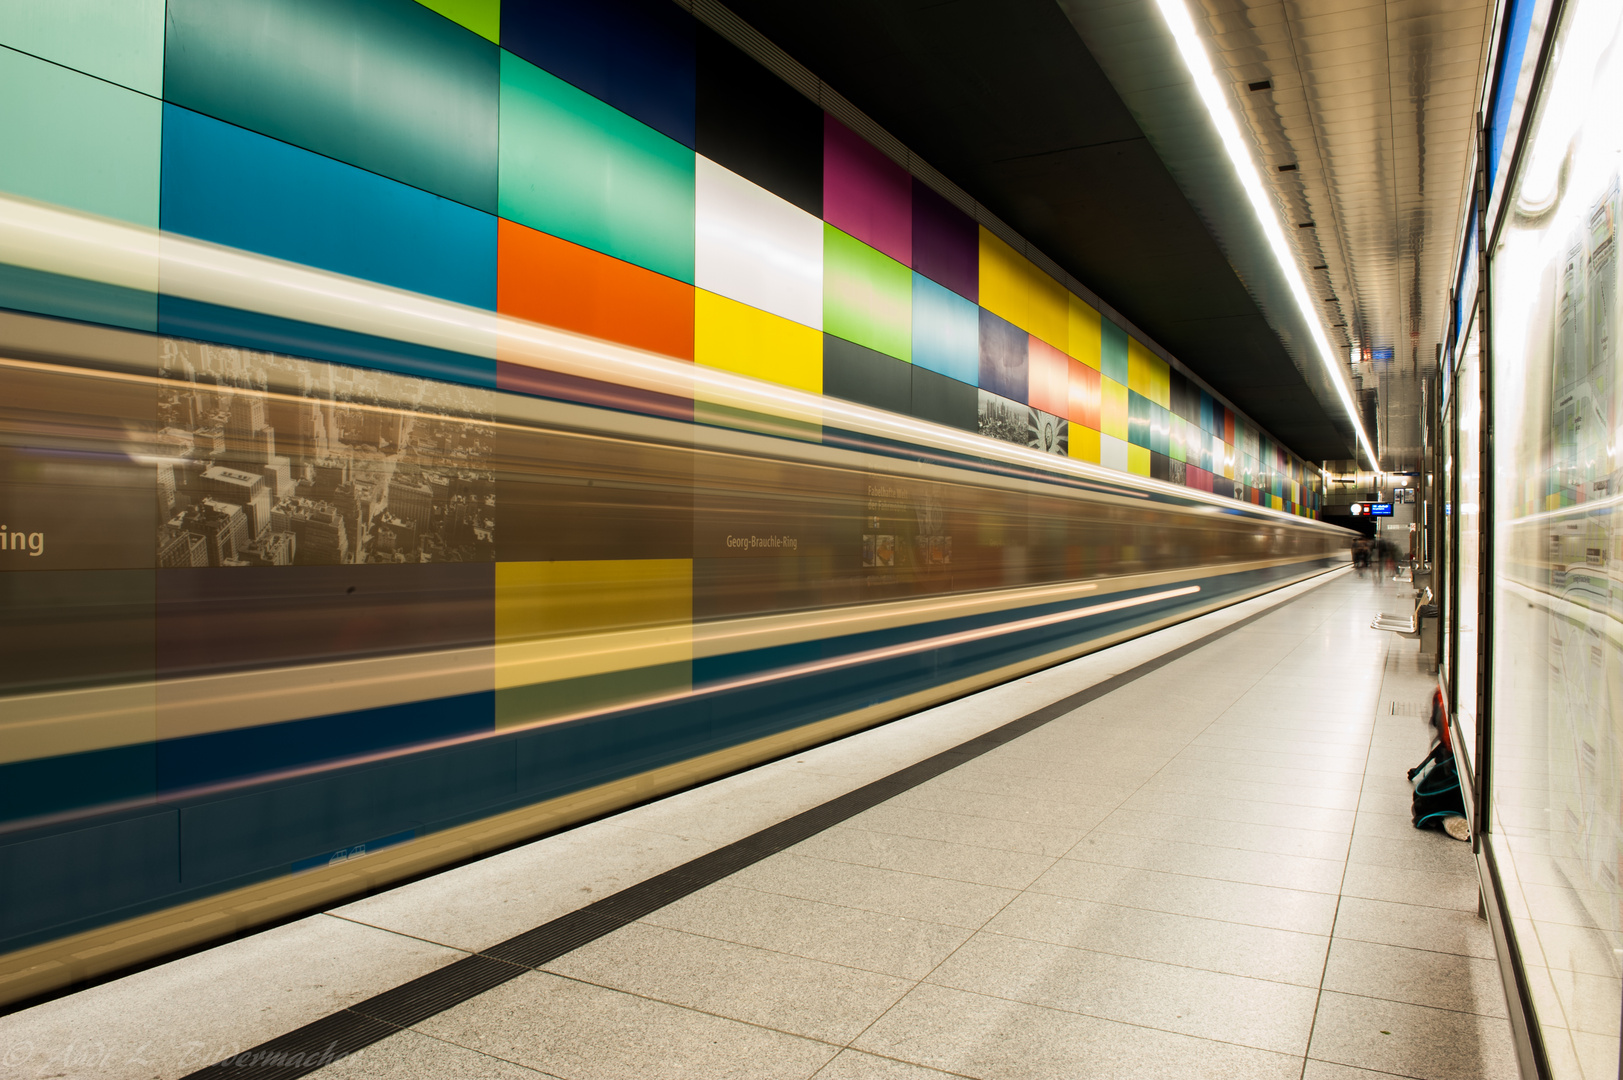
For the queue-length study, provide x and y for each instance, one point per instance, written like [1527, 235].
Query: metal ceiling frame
[1367, 240]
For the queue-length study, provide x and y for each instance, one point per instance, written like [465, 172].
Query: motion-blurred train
[410, 581]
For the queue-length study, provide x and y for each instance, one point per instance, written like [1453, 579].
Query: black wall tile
[946, 242]
[757, 125]
[857, 373]
[943, 400]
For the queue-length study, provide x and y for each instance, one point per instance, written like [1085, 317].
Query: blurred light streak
[59, 241]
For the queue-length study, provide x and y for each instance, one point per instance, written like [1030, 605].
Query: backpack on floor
[1437, 795]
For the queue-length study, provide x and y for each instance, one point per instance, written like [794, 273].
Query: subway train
[328, 585]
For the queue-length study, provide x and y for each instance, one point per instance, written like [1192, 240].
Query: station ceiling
[1075, 122]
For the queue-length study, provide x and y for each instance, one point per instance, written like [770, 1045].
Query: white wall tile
[1113, 452]
[756, 248]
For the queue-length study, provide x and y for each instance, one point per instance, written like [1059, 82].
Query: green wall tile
[78, 141]
[584, 171]
[383, 84]
[483, 17]
[867, 295]
[117, 40]
[1113, 351]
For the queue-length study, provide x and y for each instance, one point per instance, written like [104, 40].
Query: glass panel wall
[1467, 532]
[1556, 831]
[1444, 572]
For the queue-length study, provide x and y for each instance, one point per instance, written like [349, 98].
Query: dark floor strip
[320, 1043]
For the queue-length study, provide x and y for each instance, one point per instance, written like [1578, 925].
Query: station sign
[1372, 509]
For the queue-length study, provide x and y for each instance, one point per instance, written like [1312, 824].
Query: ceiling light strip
[1199, 64]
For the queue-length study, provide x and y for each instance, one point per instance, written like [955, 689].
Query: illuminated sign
[1357, 509]
[1380, 509]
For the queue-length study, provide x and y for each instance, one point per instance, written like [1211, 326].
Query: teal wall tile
[1138, 419]
[70, 139]
[117, 40]
[387, 85]
[1160, 425]
[581, 170]
[1113, 351]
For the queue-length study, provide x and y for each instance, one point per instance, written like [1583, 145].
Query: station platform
[1188, 855]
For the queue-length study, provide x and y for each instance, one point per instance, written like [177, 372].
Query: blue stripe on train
[219, 842]
[226, 755]
[55, 784]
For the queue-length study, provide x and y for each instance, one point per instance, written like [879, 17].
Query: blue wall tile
[231, 186]
[946, 331]
[1003, 349]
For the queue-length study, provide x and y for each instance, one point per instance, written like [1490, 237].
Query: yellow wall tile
[558, 620]
[1112, 408]
[1160, 382]
[1138, 460]
[1146, 373]
[737, 337]
[1083, 333]
[1084, 443]
[1014, 288]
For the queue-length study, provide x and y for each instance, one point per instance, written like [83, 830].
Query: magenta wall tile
[865, 194]
[946, 243]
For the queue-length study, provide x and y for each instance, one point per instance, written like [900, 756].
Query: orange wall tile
[551, 281]
[1083, 393]
[1047, 381]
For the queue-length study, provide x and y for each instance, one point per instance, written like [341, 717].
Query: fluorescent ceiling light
[1217, 104]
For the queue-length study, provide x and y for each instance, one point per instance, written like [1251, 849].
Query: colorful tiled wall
[607, 166]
